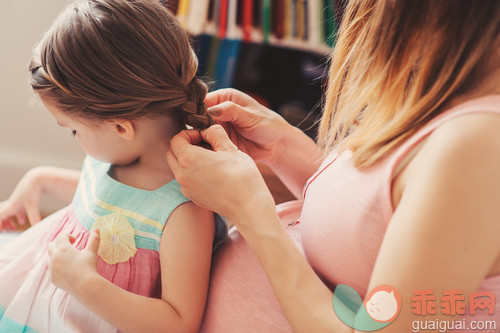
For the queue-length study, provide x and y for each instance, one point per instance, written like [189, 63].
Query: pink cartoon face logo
[383, 303]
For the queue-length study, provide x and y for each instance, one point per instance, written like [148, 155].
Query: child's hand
[69, 267]
[23, 202]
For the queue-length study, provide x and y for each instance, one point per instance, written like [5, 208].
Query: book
[197, 16]
[182, 11]
[266, 19]
[222, 23]
[247, 14]
[278, 18]
[328, 23]
[314, 23]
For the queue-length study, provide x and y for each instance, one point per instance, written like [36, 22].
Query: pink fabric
[343, 220]
[26, 285]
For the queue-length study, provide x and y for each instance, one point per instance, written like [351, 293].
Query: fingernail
[214, 111]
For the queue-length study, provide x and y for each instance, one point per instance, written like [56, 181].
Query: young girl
[121, 76]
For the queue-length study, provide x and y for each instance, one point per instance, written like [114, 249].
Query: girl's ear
[124, 128]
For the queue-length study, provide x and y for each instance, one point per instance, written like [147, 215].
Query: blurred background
[29, 136]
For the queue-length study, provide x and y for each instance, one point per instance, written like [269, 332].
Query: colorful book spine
[300, 19]
[305, 19]
[221, 31]
[232, 31]
[182, 11]
[247, 20]
[328, 23]
[314, 22]
[288, 19]
[266, 19]
[278, 18]
[197, 16]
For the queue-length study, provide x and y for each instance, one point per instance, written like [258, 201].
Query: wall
[29, 136]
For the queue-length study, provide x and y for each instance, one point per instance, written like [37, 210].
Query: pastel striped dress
[29, 302]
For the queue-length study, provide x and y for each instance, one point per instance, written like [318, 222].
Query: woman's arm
[444, 232]
[265, 136]
[24, 200]
[185, 256]
[445, 221]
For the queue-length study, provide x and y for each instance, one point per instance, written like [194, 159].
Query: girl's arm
[24, 201]
[265, 136]
[443, 235]
[185, 257]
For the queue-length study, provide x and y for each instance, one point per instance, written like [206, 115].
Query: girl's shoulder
[99, 195]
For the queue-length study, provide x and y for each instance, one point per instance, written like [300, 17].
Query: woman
[407, 192]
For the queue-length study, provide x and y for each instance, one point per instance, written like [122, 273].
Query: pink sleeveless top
[343, 219]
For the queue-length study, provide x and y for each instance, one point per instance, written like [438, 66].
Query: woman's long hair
[120, 59]
[395, 66]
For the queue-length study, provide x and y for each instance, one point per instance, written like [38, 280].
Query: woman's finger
[227, 112]
[184, 140]
[217, 137]
[222, 95]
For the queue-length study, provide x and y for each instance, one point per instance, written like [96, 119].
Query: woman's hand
[255, 129]
[225, 180]
[266, 136]
[68, 267]
[24, 202]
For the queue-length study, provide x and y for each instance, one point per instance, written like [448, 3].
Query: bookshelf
[274, 50]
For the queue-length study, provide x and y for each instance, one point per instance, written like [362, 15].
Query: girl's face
[104, 140]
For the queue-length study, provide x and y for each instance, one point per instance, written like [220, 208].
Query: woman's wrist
[257, 214]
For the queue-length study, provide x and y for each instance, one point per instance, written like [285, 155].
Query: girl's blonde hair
[109, 59]
[395, 66]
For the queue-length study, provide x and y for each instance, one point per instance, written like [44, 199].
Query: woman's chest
[343, 221]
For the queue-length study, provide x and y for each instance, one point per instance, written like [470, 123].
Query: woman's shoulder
[466, 136]
[463, 153]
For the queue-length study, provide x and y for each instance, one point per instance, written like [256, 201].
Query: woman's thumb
[93, 242]
[217, 137]
[228, 112]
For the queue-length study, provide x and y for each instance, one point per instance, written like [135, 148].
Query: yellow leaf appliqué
[117, 238]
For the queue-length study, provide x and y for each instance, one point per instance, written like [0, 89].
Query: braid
[195, 109]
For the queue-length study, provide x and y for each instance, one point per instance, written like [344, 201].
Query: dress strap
[402, 154]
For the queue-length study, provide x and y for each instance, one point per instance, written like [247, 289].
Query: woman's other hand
[68, 267]
[255, 129]
[224, 180]
[266, 137]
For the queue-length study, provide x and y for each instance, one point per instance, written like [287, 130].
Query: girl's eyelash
[73, 133]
